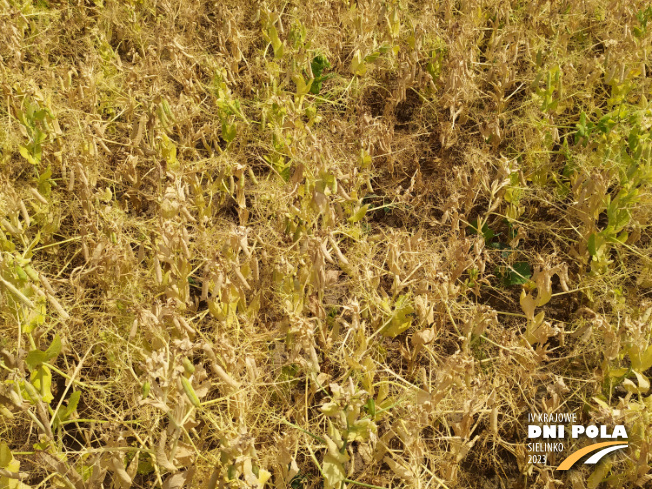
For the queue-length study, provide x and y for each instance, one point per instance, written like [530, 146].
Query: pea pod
[190, 392]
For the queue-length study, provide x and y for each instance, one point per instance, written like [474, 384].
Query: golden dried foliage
[326, 244]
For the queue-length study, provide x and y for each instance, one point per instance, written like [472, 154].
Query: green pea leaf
[41, 379]
[401, 318]
[518, 274]
[359, 214]
[36, 357]
[24, 152]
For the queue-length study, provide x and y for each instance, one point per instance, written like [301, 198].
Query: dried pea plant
[330, 244]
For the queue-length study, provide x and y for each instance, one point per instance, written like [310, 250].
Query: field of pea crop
[325, 244]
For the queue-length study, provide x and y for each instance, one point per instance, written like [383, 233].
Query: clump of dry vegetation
[327, 244]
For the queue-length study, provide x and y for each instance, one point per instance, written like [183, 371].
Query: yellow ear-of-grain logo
[601, 448]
